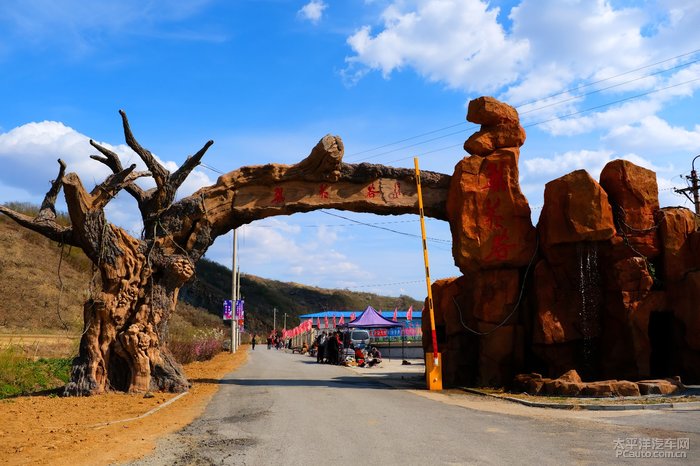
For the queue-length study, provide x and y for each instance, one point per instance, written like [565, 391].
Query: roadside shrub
[201, 345]
[22, 376]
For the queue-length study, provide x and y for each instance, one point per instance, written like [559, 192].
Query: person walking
[321, 349]
[252, 341]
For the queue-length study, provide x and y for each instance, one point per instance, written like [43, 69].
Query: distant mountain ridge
[43, 292]
[213, 284]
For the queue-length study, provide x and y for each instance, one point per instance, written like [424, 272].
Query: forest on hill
[44, 285]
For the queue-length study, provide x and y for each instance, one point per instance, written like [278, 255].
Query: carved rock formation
[488, 214]
[633, 195]
[575, 209]
[611, 291]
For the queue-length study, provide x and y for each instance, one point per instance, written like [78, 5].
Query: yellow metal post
[433, 361]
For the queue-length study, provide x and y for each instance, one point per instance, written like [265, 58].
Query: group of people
[274, 341]
[337, 348]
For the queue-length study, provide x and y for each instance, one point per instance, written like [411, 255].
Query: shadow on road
[336, 382]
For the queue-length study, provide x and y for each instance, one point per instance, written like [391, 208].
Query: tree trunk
[124, 343]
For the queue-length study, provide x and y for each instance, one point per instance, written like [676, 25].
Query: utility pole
[238, 296]
[274, 319]
[693, 188]
[285, 321]
[233, 293]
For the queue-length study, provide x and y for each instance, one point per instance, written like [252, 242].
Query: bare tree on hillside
[123, 345]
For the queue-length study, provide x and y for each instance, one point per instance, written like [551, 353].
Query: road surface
[284, 409]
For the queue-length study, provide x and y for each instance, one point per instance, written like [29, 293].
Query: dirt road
[104, 429]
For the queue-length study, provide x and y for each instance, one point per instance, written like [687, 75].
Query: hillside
[43, 293]
[213, 284]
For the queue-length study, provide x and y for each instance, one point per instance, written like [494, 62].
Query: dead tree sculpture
[123, 345]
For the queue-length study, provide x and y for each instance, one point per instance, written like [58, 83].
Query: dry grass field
[35, 296]
[105, 429]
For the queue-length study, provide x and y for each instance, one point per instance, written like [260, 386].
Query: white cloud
[561, 164]
[313, 11]
[458, 42]
[29, 155]
[551, 46]
[653, 135]
[284, 249]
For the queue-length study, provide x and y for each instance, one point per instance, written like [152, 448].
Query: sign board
[240, 314]
[228, 310]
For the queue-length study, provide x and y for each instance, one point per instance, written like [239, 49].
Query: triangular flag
[342, 320]
[409, 313]
[395, 318]
[352, 316]
[325, 320]
[334, 324]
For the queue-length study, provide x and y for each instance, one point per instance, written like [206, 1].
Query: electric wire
[665, 70]
[562, 117]
[438, 240]
[609, 87]
[593, 83]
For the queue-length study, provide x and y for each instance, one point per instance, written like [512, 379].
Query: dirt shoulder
[108, 428]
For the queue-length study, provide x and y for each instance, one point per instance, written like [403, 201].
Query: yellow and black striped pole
[433, 369]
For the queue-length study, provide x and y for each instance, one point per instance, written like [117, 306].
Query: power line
[538, 100]
[609, 87]
[644, 94]
[378, 285]
[418, 143]
[561, 117]
[211, 168]
[592, 83]
[407, 139]
[526, 126]
[337, 225]
[384, 228]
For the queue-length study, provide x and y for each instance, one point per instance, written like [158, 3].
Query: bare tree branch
[160, 173]
[111, 159]
[47, 212]
[105, 191]
[324, 162]
[45, 227]
[183, 172]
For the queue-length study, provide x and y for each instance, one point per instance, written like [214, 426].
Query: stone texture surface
[676, 225]
[488, 214]
[606, 285]
[667, 386]
[576, 209]
[490, 138]
[570, 384]
[634, 197]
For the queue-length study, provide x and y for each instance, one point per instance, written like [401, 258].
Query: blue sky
[593, 80]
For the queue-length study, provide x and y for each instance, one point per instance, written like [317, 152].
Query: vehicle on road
[359, 338]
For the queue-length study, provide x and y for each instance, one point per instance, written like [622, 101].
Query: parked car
[359, 338]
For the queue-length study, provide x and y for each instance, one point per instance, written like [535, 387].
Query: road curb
[589, 407]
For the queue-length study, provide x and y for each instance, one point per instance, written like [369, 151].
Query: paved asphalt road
[284, 409]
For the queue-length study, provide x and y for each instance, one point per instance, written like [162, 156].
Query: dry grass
[68, 431]
[30, 286]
